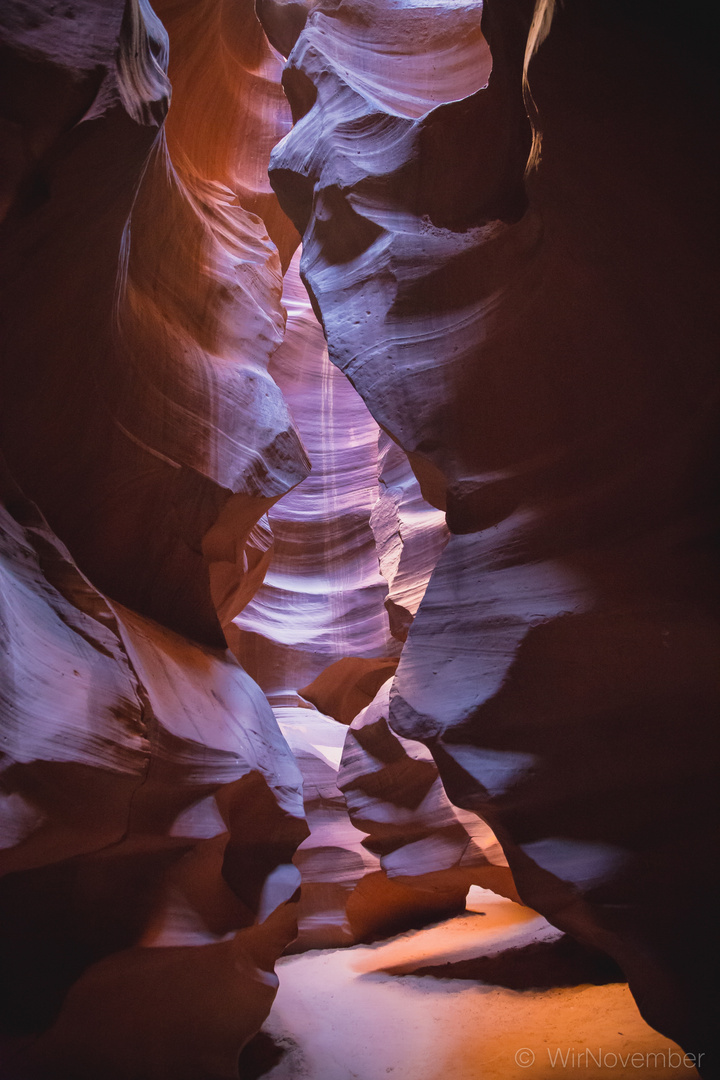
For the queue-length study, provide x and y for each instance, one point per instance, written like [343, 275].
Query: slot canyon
[359, 637]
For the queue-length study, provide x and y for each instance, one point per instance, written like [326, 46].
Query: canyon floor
[502, 995]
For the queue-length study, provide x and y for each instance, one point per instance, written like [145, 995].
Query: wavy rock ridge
[504, 213]
[150, 806]
[516, 282]
[354, 543]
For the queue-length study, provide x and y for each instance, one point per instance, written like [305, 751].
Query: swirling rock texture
[321, 601]
[386, 850]
[323, 595]
[232, 109]
[409, 533]
[505, 218]
[430, 851]
[150, 806]
[147, 287]
[332, 860]
[150, 810]
[520, 284]
[353, 543]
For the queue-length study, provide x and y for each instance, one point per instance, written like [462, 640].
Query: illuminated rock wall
[518, 283]
[150, 807]
[505, 224]
[354, 546]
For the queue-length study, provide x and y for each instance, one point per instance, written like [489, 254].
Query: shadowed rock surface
[150, 811]
[544, 964]
[519, 283]
[323, 595]
[149, 806]
[354, 546]
[499, 581]
[140, 305]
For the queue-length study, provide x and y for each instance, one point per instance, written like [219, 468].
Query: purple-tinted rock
[520, 286]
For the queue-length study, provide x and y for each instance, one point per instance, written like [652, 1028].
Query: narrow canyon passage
[346, 1011]
[359, 621]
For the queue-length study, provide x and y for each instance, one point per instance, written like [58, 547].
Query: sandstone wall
[150, 805]
[519, 283]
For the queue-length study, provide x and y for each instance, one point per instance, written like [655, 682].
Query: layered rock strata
[150, 809]
[323, 594]
[409, 533]
[140, 282]
[519, 284]
[505, 228]
[430, 851]
[354, 545]
[386, 850]
[150, 806]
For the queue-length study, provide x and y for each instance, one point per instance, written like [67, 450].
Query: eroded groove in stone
[141, 303]
[505, 217]
[322, 597]
[150, 805]
[354, 548]
[141, 773]
[542, 347]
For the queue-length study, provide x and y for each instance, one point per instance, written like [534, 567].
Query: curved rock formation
[505, 219]
[229, 107]
[332, 860]
[429, 848]
[143, 776]
[386, 852]
[410, 535]
[519, 285]
[150, 806]
[320, 617]
[144, 286]
[322, 597]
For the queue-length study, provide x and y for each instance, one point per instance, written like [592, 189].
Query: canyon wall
[354, 547]
[520, 284]
[483, 630]
[161, 385]
[150, 806]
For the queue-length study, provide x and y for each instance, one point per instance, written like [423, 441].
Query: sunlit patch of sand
[358, 1013]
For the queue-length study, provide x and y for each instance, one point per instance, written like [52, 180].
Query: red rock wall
[141, 303]
[150, 807]
[520, 285]
[354, 546]
[505, 221]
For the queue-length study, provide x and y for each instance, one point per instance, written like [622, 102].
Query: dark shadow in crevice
[263, 1053]
[543, 965]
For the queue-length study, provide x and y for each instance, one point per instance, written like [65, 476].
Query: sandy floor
[358, 1013]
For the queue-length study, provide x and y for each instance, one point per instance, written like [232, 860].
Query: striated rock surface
[354, 545]
[435, 851]
[386, 850]
[410, 535]
[520, 284]
[323, 594]
[349, 685]
[332, 860]
[140, 305]
[150, 809]
[229, 109]
[505, 217]
[149, 806]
